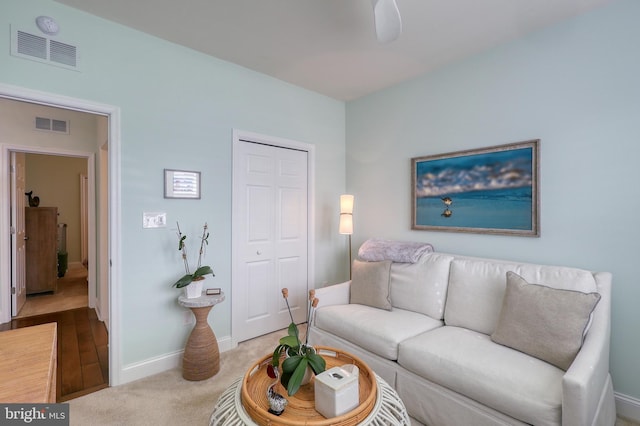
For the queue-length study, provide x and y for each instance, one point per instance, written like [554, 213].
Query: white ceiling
[329, 46]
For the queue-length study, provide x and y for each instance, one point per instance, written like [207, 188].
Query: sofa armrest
[336, 294]
[584, 383]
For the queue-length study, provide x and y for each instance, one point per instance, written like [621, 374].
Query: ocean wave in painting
[478, 172]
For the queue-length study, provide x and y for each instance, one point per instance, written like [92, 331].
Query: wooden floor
[83, 354]
[71, 293]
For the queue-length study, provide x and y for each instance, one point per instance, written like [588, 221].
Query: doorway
[53, 162]
[54, 184]
[272, 233]
[103, 286]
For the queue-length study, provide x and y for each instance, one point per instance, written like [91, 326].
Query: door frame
[113, 254]
[89, 157]
[240, 136]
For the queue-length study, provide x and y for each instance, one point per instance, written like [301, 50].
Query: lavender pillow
[374, 250]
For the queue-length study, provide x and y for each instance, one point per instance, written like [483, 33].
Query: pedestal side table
[201, 354]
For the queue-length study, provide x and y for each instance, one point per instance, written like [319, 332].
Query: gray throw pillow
[370, 284]
[544, 322]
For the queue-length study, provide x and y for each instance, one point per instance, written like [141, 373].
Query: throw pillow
[544, 322]
[370, 284]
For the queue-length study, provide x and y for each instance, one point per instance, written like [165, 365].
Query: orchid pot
[194, 289]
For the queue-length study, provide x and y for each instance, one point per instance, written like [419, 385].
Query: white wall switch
[154, 219]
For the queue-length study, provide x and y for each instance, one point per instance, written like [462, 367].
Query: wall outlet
[188, 318]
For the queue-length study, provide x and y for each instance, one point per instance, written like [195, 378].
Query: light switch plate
[154, 219]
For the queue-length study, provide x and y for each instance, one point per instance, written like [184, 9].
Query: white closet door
[270, 238]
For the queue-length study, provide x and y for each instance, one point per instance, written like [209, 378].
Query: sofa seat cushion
[376, 330]
[469, 363]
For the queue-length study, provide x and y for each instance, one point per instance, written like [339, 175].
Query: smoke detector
[47, 25]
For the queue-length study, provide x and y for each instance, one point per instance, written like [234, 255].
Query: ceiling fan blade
[387, 20]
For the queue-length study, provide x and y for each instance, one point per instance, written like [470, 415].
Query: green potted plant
[198, 275]
[298, 357]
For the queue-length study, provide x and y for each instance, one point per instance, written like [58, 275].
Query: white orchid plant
[299, 355]
[201, 270]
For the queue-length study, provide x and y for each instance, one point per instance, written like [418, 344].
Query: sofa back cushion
[476, 288]
[544, 322]
[370, 284]
[422, 286]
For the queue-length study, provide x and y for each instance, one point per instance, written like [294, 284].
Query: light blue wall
[178, 109]
[576, 87]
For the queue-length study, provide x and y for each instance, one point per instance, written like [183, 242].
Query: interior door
[270, 238]
[18, 261]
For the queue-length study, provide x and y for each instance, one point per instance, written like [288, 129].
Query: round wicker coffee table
[383, 408]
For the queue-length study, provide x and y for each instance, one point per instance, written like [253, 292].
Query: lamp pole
[346, 221]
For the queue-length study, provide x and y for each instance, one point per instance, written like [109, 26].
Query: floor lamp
[346, 220]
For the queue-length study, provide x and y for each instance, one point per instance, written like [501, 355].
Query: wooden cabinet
[41, 251]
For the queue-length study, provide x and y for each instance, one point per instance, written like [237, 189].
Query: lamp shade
[346, 224]
[346, 204]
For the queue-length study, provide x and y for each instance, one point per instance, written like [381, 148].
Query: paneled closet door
[270, 238]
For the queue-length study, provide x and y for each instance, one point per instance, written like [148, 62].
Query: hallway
[71, 293]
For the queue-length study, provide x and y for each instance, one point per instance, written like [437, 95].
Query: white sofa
[434, 345]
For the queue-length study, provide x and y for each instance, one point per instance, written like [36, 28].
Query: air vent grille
[43, 123]
[52, 125]
[32, 45]
[43, 49]
[59, 126]
[62, 53]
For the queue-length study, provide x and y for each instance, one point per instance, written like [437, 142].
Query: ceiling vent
[43, 49]
[52, 125]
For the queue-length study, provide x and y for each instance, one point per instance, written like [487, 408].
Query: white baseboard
[156, 365]
[627, 407]
[101, 318]
[105, 321]
[225, 344]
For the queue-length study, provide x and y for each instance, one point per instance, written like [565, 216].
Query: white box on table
[336, 391]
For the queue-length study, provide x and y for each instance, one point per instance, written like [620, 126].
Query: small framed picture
[181, 184]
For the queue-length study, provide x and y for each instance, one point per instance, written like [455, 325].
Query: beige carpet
[166, 398]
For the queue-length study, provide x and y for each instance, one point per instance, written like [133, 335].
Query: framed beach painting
[490, 190]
